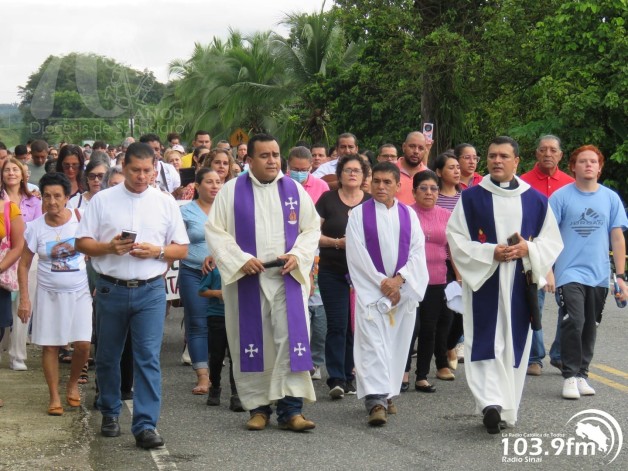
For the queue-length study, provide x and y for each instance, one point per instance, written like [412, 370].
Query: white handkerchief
[453, 292]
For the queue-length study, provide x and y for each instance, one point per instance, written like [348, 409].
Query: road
[432, 431]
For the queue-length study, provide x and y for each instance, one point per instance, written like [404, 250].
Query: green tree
[84, 96]
[227, 85]
[315, 52]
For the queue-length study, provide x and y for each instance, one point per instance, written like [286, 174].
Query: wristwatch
[621, 276]
[162, 253]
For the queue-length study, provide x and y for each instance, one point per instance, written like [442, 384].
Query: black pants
[432, 326]
[218, 348]
[580, 309]
[455, 331]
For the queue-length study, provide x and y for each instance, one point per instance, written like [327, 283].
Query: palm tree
[315, 50]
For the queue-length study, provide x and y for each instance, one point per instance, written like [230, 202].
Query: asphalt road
[432, 431]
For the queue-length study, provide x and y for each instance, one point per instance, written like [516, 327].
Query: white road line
[160, 456]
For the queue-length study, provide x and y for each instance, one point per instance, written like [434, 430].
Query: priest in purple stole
[386, 258]
[499, 230]
[261, 217]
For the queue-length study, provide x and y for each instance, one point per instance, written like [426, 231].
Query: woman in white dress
[62, 308]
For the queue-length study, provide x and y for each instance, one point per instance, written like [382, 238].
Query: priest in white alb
[262, 218]
[500, 231]
[386, 258]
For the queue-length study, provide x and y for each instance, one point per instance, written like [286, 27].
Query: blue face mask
[299, 176]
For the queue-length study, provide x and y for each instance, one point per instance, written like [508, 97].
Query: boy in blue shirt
[588, 214]
[218, 346]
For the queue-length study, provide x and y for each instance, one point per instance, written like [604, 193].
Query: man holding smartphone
[497, 315]
[132, 232]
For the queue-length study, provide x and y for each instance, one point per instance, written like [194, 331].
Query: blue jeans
[339, 341]
[287, 407]
[195, 315]
[318, 332]
[537, 347]
[141, 310]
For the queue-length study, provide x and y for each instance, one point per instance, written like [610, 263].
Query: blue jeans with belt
[141, 311]
[195, 315]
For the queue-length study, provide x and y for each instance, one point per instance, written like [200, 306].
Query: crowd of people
[329, 263]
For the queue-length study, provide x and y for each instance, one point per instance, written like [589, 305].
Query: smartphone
[428, 130]
[280, 262]
[128, 235]
[513, 239]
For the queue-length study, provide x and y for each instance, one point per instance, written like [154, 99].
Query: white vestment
[382, 341]
[277, 380]
[497, 381]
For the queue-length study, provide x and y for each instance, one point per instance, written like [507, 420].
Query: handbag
[532, 296]
[8, 278]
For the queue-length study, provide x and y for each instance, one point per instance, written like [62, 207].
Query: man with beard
[415, 150]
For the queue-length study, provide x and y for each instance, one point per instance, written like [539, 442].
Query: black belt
[129, 283]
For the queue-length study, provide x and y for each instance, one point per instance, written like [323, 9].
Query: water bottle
[617, 292]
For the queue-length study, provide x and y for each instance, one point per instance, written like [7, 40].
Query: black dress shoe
[426, 389]
[148, 439]
[126, 395]
[110, 427]
[405, 386]
[492, 419]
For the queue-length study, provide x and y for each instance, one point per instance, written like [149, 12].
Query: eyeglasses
[425, 188]
[351, 171]
[388, 156]
[95, 176]
[70, 166]
[470, 157]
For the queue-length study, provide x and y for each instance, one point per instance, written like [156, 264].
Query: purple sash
[249, 301]
[369, 221]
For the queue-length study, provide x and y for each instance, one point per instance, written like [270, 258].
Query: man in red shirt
[546, 178]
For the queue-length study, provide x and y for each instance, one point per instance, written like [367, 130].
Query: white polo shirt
[155, 217]
[327, 168]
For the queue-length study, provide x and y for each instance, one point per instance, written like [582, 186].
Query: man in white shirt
[167, 178]
[346, 144]
[132, 232]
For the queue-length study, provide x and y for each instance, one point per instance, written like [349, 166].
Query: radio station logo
[591, 432]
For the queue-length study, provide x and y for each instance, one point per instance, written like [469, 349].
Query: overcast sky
[142, 34]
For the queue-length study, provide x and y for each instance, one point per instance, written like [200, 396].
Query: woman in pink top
[433, 315]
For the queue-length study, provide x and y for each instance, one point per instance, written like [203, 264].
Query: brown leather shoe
[377, 416]
[445, 374]
[392, 408]
[257, 421]
[297, 423]
[534, 370]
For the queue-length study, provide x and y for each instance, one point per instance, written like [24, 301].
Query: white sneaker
[583, 387]
[570, 389]
[316, 372]
[17, 365]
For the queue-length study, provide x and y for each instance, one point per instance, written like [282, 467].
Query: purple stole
[249, 300]
[371, 237]
[478, 211]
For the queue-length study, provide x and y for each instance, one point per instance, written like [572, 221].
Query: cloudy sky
[143, 34]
